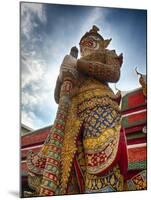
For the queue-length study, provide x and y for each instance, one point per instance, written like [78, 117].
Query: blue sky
[49, 31]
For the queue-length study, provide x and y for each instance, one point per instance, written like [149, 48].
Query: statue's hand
[68, 67]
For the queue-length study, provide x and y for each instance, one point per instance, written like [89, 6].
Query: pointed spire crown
[93, 32]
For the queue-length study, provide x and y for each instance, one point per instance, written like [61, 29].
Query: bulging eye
[90, 43]
[87, 42]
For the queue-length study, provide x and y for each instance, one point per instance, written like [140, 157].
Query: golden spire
[142, 81]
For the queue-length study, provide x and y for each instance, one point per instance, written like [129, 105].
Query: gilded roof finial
[117, 88]
[118, 95]
[142, 81]
[137, 72]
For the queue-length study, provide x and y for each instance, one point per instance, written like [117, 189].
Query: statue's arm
[57, 90]
[67, 71]
[107, 72]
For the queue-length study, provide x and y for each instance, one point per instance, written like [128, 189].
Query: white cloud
[94, 16]
[37, 96]
[28, 118]
[34, 88]
[33, 70]
[31, 120]
[28, 12]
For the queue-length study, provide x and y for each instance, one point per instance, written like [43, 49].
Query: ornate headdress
[92, 41]
[92, 32]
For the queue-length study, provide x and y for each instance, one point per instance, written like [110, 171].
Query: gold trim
[95, 93]
[94, 182]
[103, 101]
[69, 145]
[92, 84]
[100, 144]
[95, 142]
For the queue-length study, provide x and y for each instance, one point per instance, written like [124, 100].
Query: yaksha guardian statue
[90, 153]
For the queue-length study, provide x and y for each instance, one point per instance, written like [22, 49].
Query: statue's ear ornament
[105, 43]
[120, 57]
